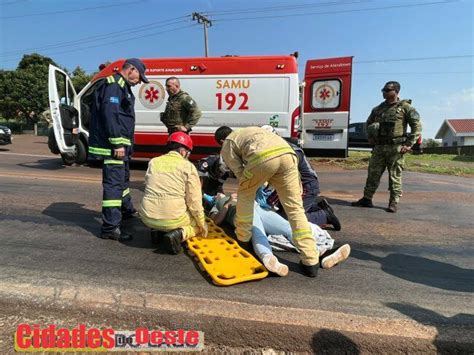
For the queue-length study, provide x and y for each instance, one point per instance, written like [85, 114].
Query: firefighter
[111, 139]
[172, 203]
[317, 209]
[255, 156]
[181, 113]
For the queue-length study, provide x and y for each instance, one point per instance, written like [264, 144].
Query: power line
[412, 59]
[97, 37]
[417, 73]
[118, 41]
[73, 10]
[335, 11]
[283, 7]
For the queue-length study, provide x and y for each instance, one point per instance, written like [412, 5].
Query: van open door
[326, 106]
[64, 114]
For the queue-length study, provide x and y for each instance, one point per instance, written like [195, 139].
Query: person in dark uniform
[111, 140]
[181, 113]
[213, 173]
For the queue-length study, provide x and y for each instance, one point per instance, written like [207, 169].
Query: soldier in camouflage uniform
[181, 112]
[387, 129]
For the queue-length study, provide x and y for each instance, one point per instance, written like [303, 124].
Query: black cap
[137, 63]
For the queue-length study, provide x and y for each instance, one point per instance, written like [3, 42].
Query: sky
[426, 45]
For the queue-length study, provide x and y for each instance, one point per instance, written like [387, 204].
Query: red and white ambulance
[234, 91]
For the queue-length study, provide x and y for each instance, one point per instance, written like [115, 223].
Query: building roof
[459, 126]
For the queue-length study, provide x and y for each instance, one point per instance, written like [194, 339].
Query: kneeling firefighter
[172, 204]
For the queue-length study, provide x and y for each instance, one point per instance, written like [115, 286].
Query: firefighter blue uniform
[112, 126]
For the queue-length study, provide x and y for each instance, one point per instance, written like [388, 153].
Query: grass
[458, 165]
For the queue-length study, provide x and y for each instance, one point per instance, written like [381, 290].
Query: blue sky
[383, 40]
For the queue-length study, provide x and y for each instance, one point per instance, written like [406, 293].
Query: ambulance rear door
[64, 114]
[326, 107]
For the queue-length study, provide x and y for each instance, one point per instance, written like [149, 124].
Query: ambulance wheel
[81, 152]
[52, 144]
[68, 158]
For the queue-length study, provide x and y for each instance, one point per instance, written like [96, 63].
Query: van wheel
[81, 152]
[68, 158]
[52, 144]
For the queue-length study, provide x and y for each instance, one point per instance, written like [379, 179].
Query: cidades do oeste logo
[33, 338]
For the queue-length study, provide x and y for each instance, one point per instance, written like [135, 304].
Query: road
[408, 285]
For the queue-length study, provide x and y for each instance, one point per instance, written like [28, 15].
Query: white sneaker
[273, 265]
[336, 257]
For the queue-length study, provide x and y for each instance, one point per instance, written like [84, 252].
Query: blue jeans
[268, 223]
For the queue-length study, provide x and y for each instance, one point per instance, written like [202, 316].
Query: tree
[24, 92]
[80, 78]
[431, 143]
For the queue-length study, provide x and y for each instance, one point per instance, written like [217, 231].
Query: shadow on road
[338, 202]
[75, 213]
[44, 164]
[331, 342]
[442, 323]
[423, 271]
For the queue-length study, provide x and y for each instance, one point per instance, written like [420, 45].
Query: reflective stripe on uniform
[259, 157]
[302, 233]
[125, 192]
[248, 174]
[111, 203]
[120, 140]
[110, 79]
[121, 82]
[170, 223]
[244, 218]
[113, 162]
[99, 151]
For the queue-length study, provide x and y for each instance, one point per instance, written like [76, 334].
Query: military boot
[363, 202]
[172, 241]
[392, 207]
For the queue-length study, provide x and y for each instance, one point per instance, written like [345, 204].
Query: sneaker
[392, 207]
[363, 202]
[309, 270]
[117, 235]
[172, 241]
[272, 264]
[330, 215]
[335, 256]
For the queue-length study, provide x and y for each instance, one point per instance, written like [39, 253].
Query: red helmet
[181, 138]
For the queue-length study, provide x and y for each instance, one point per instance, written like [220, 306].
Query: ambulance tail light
[295, 123]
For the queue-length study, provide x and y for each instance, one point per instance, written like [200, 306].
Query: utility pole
[205, 21]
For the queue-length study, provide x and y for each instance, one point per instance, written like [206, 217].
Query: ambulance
[237, 91]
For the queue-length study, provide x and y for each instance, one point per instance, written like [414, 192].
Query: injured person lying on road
[270, 230]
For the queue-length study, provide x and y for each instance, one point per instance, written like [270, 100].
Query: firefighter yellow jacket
[172, 188]
[248, 147]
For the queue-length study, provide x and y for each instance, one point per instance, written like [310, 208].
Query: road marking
[28, 155]
[52, 177]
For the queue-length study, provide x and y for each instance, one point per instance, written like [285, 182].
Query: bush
[17, 127]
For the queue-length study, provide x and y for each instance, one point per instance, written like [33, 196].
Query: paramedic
[256, 156]
[181, 113]
[111, 139]
[172, 203]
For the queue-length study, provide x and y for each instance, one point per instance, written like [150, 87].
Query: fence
[463, 150]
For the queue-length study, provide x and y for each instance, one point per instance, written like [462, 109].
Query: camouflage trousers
[385, 157]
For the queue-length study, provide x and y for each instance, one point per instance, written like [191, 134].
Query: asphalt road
[408, 284]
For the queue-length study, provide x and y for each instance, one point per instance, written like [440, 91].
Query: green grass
[459, 165]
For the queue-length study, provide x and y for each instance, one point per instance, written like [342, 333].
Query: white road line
[28, 155]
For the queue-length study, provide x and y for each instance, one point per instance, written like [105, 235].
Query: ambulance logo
[152, 95]
[324, 94]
